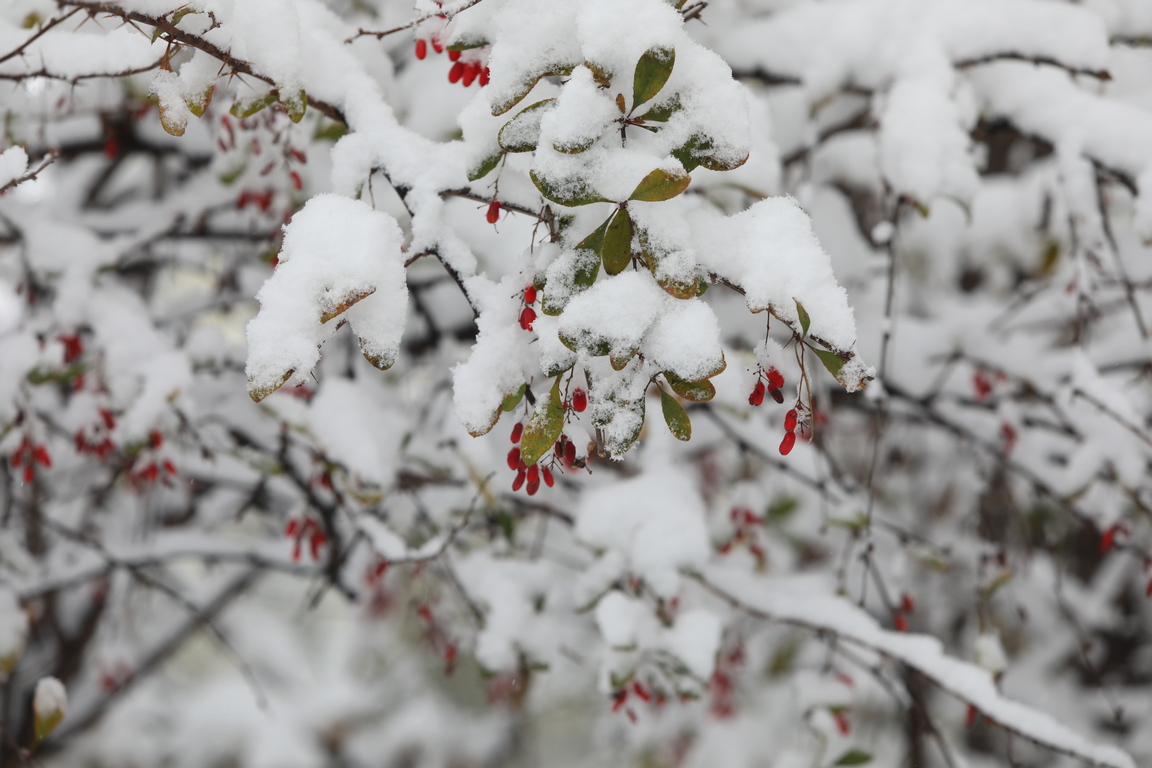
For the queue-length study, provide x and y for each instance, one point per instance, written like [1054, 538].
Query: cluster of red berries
[305, 529]
[528, 315]
[775, 382]
[439, 639]
[772, 381]
[563, 453]
[722, 684]
[463, 72]
[900, 615]
[638, 690]
[982, 383]
[150, 471]
[746, 522]
[28, 455]
[97, 442]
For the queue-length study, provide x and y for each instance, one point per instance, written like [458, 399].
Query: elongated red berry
[579, 400]
[533, 487]
[484, 77]
[514, 458]
[787, 443]
[775, 379]
[421, 49]
[437, 45]
[534, 474]
[40, 456]
[900, 622]
[517, 431]
[453, 55]
[907, 604]
[549, 479]
[108, 417]
[527, 317]
[570, 452]
[470, 73]
[790, 421]
[456, 73]
[530, 295]
[777, 395]
[518, 483]
[757, 396]
[494, 212]
[291, 527]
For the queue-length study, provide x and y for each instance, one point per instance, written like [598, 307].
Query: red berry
[453, 55]
[470, 73]
[40, 456]
[970, 716]
[549, 479]
[900, 622]
[484, 77]
[437, 45]
[757, 396]
[291, 527]
[421, 49]
[518, 483]
[156, 439]
[169, 467]
[790, 421]
[494, 214]
[775, 379]
[787, 443]
[527, 316]
[534, 474]
[579, 400]
[570, 452]
[533, 487]
[456, 73]
[29, 474]
[108, 417]
[530, 295]
[517, 431]
[841, 723]
[514, 458]
[907, 604]
[776, 394]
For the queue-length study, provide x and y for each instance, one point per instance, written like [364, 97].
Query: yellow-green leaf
[662, 112]
[570, 194]
[616, 248]
[675, 416]
[521, 133]
[259, 393]
[805, 321]
[545, 426]
[513, 400]
[854, 757]
[652, 72]
[831, 361]
[696, 391]
[247, 107]
[485, 166]
[295, 103]
[661, 185]
[526, 85]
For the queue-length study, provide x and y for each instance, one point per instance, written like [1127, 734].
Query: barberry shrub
[746, 383]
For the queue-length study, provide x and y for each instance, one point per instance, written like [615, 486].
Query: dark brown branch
[1099, 74]
[442, 13]
[24, 46]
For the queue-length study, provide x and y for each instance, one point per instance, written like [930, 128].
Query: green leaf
[521, 133]
[485, 166]
[696, 391]
[577, 147]
[662, 112]
[526, 86]
[619, 363]
[781, 509]
[854, 757]
[831, 361]
[587, 267]
[699, 150]
[675, 416]
[616, 248]
[660, 185]
[242, 108]
[570, 195]
[805, 321]
[652, 72]
[513, 400]
[295, 104]
[464, 43]
[545, 426]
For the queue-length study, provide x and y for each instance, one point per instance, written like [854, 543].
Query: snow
[13, 631]
[50, 699]
[802, 602]
[336, 251]
[13, 164]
